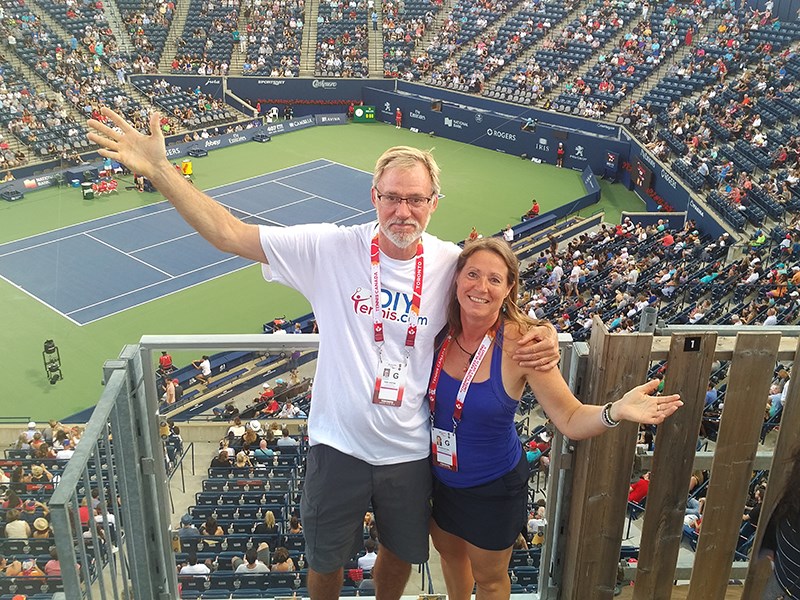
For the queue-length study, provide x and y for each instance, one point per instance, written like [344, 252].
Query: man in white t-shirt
[194, 568]
[369, 430]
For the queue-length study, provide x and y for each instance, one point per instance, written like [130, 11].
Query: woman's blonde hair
[269, 519]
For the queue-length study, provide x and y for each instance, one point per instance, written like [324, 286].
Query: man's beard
[403, 239]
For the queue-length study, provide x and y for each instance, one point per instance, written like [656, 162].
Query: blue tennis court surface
[95, 269]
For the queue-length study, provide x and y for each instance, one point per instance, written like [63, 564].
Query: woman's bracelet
[605, 416]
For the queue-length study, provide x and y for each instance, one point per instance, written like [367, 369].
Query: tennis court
[91, 270]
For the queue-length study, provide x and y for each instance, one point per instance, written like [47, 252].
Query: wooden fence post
[688, 367]
[750, 374]
[602, 469]
[786, 444]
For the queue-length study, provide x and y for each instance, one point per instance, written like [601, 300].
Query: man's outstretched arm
[147, 155]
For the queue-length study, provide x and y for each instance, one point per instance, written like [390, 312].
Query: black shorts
[338, 491]
[489, 516]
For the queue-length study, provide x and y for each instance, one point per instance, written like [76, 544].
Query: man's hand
[143, 154]
[538, 348]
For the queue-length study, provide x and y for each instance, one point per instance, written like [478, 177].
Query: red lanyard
[461, 396]
[416, 300]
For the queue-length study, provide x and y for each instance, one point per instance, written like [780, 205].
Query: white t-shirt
[367, 561]
[508, 235]
[330, 266]
[198, 569]
[205, 367]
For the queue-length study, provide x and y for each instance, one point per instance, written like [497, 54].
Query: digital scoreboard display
[364, 114]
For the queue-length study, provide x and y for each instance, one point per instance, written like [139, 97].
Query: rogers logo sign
[173, 151]
[325, 85]
[501, 134]
[212, 143]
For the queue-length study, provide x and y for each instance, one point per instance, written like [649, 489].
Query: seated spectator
[294, 526]
[29, 433]
[211, 527]
[194, 568]
[204, 366]
[250, 562]
[242, 466]
[236, 430]
[290, 411]
[12, 500]
[42, 529]
[16, 527]
[187, 529]
[263, 453]
[638, 490]
[281, 561]
[266, 394]
[222, 459]
[165, 364]
[271, 408]
[52, 567]
[268, 527]
[40, 475]
[66, 451]
[226, 414]
[367, 561]
[286, 441]
[9, 569]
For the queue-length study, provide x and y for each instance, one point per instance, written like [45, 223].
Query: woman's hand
[640, 406]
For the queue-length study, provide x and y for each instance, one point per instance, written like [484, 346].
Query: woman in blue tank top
[480, 471]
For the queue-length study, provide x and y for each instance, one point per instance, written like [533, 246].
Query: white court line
[85, 232]
[338, 164]
[282, 206]
[137, 259]
[180, 237]
[276, 180]
[318, 196]
[169, 206]
[363, 212]
[138, 304]
[39, 300]
[149, 285]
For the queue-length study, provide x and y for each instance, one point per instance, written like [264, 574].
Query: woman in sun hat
[41, 528]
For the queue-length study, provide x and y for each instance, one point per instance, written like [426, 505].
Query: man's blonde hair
[406, 157]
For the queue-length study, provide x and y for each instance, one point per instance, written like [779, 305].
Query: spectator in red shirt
[267, 394]
[638, 491]
[165, 363]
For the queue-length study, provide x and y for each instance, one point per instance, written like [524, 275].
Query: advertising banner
[495, 131]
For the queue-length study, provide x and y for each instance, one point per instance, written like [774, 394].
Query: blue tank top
[487, 444]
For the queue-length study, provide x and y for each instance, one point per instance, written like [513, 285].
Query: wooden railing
[602, 466]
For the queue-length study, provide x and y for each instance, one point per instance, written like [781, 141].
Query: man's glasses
[395, 201]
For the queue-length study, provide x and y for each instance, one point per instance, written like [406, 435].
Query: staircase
[237, 56]
[175, 29]
[434, 28]
[375, 45]
[308, 54]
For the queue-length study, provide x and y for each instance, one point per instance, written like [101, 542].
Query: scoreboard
[364, 114]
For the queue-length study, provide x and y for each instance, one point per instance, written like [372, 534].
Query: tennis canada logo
[395, 306]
